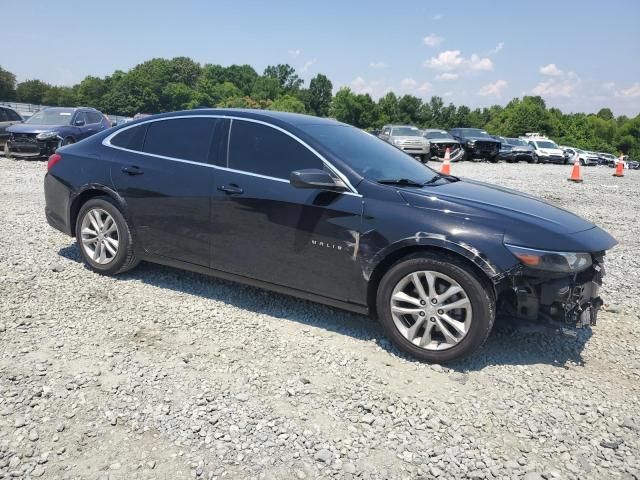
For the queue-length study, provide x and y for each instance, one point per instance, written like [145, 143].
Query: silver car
[409, 139]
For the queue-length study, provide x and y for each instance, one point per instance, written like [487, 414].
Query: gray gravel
[167, 374]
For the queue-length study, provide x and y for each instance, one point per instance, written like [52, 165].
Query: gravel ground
[167, 374]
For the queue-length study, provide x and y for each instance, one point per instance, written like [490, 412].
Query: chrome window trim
[107, 143]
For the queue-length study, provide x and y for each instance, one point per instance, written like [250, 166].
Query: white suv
[545, 150]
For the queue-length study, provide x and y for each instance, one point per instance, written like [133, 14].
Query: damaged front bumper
[561, 300]
[29, 146]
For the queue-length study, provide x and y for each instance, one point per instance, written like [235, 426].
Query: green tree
[286, 76]
[357, 110]
[388, 108]
[319, 95]
[7, 85]
[288, 103]
[32, 91]
[409, 108]
[266, 88]
[60, 96]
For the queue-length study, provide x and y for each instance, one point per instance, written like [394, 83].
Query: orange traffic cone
[619, 168]
[446, 166]
[576, 176]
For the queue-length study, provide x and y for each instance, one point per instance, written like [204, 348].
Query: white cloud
[555, 88]
[294, 52]
[437, 17]
[447, 76]
[362, 86]
[305, 67]
[496, 49]
[452, 60]
[632, 92]
[447, 60]
[432, 40]
[410, 85]
[551, 70]
[378, 65]
[493, 89]
[477, 63]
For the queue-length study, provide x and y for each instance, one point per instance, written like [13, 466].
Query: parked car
[51, 128]
[586, 158]
[546, 150]
[8, 117]
[606, 159]
[515, 150]
[439, 141]
[324, 211]
[408, 139]
[626, 163]
[477, 143]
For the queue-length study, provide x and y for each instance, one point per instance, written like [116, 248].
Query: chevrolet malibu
[321, 210]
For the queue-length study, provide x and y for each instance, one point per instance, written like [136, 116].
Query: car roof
[439, 130]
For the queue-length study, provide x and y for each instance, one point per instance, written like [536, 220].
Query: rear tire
[104, 237]
[437, 346]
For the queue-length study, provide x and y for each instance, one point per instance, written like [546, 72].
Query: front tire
[104, 237]
[435, 308]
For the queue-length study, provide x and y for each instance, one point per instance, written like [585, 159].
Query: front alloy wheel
[431, 310]
[435, 307]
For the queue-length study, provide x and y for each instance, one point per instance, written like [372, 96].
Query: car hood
[522, 219]
[481, 139]
[33, 128]
[551, 151]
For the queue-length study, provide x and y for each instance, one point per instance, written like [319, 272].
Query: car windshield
[474, 132]
[369, 156]
[546, 144]
[438, 135]
[51, 116]
[405, 132]
[517, 141]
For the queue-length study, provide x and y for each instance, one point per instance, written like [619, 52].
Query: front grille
[412, 143]
[487, 146]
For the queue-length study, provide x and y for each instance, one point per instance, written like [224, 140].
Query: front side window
[93, 117]
[438, 135]
[181, 138]
[258, 148]
[79, 118]
[4, 116]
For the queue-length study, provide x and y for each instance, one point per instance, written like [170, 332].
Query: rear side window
[260, 149]
[4, 117]
[131, 138]
[13, 116]
[183, 138]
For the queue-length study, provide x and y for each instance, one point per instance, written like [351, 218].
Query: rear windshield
[517, 141]
[51, 116]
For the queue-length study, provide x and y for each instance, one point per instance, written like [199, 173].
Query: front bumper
[552, 159]
[565, 301]
[31, 147]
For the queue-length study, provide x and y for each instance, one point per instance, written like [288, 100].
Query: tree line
[161, 85]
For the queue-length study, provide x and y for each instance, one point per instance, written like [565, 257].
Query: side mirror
[316, 179]
[79, 123]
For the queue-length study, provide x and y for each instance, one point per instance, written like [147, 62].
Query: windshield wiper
[400, 181]
[440, 176]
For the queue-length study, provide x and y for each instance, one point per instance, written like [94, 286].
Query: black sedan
[321, 210]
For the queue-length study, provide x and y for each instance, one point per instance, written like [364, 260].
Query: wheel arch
[87, 193]
[485, 274]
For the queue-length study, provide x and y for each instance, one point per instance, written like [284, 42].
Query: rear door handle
[132, 170]
[231, 189]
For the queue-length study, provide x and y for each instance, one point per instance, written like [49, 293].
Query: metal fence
[28, 109]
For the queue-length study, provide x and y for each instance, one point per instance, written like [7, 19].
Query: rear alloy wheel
[104, 238]
[435, 308]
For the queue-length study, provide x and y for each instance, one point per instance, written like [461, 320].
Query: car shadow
[508, 343]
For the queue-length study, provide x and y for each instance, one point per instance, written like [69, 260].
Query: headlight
[543, 154]
[551, 261]
[396, 141]
[46, 135]
[471, 143]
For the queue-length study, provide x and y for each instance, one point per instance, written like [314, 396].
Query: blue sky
[578, 55]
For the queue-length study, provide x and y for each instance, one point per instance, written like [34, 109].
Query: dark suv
[51, 128]
[8, 117]
[324, 211]
[477, 143]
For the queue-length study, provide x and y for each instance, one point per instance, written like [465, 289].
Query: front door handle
[132, 170]
[231, 189]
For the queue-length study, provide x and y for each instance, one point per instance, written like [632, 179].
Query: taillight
[53, 159]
